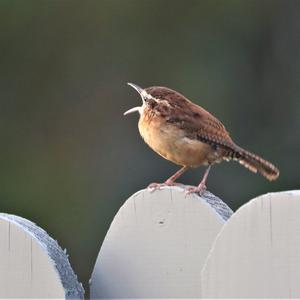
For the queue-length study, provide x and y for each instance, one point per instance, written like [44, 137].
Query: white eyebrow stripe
[145, 95]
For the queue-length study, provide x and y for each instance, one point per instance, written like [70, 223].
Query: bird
[189, 136]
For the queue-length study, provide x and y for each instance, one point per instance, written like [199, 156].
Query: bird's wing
[194, 120]
[200, 124]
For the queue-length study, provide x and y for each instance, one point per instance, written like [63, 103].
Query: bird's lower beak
[129, 111]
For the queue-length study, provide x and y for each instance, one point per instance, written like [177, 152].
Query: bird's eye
[151, 102]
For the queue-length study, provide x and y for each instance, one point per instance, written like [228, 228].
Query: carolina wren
[189, 136]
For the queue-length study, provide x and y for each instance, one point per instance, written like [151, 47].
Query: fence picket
[157, 244]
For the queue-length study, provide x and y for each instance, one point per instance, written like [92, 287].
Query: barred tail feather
[255, 163]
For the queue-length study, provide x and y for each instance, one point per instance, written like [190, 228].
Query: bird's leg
[170, 181]
[201, 188]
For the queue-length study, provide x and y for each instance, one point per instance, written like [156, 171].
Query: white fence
[32, 265]
[165, 244]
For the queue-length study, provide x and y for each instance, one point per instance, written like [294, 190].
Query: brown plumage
[190, 136]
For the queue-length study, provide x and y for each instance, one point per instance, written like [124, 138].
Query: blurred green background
[69, 158]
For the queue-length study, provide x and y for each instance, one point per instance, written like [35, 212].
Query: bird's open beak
[140, 91]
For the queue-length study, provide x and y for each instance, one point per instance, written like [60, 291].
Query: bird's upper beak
[141, 92]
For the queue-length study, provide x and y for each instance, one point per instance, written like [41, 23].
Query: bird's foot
[156, 186]
[200, 189]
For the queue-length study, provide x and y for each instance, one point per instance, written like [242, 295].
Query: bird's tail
[254, 163]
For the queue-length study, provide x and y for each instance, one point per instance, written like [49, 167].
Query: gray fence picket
[32, 265]
[257, 253]
[157, 244]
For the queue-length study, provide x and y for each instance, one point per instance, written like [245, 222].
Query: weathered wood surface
[32, 265]
[157, 244]
[257, 253]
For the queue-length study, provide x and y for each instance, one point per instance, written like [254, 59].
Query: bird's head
[152, 97]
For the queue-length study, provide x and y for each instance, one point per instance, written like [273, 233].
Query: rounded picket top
[257, 253]
[157, 244]
[32, 265]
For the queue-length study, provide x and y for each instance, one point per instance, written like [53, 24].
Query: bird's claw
[156, 186]
[200, 189]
